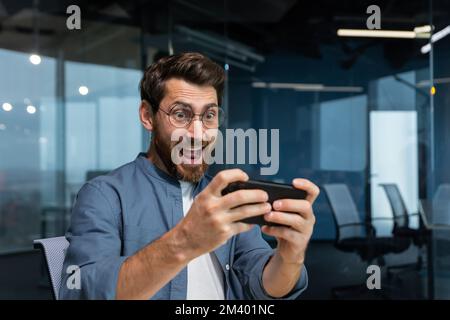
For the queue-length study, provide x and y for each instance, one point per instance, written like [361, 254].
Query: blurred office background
[356, 112]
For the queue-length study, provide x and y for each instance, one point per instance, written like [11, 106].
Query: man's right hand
[210, 222]
[213, 218]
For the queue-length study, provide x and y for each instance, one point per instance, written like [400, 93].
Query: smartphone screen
[276, 191]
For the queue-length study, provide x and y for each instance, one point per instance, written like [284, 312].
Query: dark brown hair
[192, 67]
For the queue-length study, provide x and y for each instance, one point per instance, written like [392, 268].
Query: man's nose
[195, 130]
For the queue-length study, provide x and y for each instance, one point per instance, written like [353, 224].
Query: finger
[306, 185]
[224, 178]
[247, 211]
[292, 220]
[239, 227]
[284, 233]
[302, 207]
[244, 196]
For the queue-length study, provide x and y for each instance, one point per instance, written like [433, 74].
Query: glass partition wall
[67, 113]
[357, 111]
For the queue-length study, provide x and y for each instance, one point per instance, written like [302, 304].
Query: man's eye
[180, 115]
[210, 115]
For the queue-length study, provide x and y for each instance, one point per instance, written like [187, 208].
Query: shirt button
[227, 266]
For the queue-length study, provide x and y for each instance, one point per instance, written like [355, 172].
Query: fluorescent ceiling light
[83, 90]
[7, 106]
[35, 59]
[306, 87]
[31, 109]
[426, 83]
[435, 37]
[419, 32]
[376, 33]
[423, 29]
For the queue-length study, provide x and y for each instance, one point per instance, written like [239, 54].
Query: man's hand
[213, 218]
[210, 222]
[283, 270]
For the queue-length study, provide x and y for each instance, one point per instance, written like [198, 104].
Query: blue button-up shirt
[117, 214]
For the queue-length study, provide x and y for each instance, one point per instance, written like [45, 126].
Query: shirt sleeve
[252, 253]
[95, 245]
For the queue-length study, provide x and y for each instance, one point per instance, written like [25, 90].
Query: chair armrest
[368, 225]
[382, 218]
[424, 218]
[353, 224]
[419, 217]
[422, 212]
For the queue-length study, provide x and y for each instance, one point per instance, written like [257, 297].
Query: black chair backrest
[399, 210]
[441, 205]
[346, 216]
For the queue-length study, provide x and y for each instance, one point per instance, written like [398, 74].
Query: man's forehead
[177, 89]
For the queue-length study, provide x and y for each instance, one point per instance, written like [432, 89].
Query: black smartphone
[276, 191]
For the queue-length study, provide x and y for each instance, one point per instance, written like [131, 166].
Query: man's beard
[184, 172]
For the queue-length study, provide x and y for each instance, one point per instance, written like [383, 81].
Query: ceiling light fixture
[34, 57]
[306, 87]
[31, 109]
[421, 32]
[434, 38]
[83, 90]
[7, 106]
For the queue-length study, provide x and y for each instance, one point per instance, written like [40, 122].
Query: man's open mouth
[191, 156]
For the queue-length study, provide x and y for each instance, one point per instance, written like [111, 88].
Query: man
[161, 230]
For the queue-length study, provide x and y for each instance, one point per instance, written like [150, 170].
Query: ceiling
[300, 26]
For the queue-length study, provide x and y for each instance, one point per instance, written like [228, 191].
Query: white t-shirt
[205, 276]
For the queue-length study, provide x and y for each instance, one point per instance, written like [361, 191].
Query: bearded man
[157, 228]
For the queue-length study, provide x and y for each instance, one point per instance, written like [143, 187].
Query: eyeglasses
[181, 116]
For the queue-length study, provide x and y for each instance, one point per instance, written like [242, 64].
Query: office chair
[441, 205]
[355, 235]
[54, 250]
[439, 216]
[402, 228]
[401, 216]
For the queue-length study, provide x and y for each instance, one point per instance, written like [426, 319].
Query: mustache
[192, 142]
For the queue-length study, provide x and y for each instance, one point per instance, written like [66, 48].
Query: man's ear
[146, 115]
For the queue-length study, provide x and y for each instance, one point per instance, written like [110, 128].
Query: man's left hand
[298, 216]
